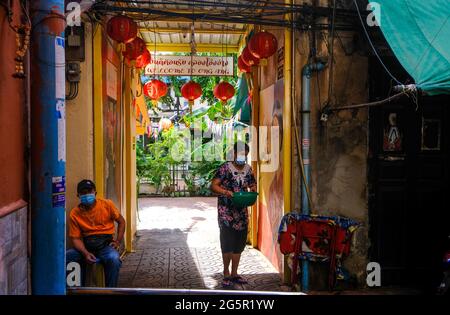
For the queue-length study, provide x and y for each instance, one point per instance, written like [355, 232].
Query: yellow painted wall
[129, 158]
[85, 133]
[132, 171]
[80, 129]
[98, 110]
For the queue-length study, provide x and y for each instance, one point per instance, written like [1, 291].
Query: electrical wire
[331, 62]
[9, 15]
[73, 91]
[238, 5]
[69, 96]
[377, 103]
[25, 12]
[149, 13]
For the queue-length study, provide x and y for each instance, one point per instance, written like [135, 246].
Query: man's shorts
[232, 241]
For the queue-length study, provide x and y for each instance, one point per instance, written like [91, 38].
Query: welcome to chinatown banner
[181, 66]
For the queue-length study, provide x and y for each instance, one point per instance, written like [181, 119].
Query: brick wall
[13, 253]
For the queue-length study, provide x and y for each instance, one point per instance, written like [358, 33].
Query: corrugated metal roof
[169, 22]
[181, 33]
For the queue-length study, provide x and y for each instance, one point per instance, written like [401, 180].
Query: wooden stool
[95, 275]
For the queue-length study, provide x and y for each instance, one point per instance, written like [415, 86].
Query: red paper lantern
[191, 91]
[263, 45]
[248, 58]
[243, 67]
[134, 49]
[155, 89]
[143, 60]
[224, 91]
[122, 29]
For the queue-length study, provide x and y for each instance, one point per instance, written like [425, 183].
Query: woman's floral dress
[234, 180]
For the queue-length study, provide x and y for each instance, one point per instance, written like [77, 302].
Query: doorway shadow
[256, 282]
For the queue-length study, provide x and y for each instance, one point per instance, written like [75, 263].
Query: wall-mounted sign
[181, 66]
[280, 63]
[58, 191]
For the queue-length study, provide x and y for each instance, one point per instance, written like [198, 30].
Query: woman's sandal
[227, 283]
[239, 280]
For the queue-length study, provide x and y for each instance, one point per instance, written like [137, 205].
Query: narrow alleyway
[178, 246]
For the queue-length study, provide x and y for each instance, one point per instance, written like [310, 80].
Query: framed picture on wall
[431, 134]
[392, 132]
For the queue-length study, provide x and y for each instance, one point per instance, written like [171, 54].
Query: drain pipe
[307, 72]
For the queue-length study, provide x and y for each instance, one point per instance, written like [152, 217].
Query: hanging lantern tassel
[186, 122]
[121, 47]
[191, 104]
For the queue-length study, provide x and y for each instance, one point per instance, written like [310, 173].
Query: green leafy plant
[189, 180]
[142, 167]
[157, 163]
[202, 171]
[154, 162]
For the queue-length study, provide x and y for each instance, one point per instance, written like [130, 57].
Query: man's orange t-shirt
[98, 220]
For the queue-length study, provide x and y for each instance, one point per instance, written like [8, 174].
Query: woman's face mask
[240, 160]
[87, 199]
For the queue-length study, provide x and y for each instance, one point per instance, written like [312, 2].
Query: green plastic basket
[244, 199]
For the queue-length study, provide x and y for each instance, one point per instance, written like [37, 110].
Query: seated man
[91, 229]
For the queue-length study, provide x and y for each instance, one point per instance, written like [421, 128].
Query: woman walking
[233, 177]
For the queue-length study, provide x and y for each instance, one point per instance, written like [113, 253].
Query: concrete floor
[178, 246]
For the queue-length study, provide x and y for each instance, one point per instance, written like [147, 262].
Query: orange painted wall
[13, 124]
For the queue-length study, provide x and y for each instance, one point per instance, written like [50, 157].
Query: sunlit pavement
[178, 246]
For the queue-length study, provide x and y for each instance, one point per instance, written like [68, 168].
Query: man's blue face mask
[87, 199]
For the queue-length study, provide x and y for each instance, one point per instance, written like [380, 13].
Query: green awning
[418, 33]
[241, 101]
